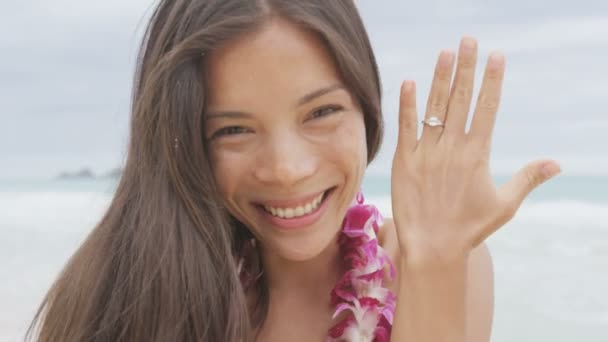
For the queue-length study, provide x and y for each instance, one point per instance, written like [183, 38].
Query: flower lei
[360, 290]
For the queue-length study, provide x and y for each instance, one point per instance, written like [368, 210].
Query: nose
[286, 161]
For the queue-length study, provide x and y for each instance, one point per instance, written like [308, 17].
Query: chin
[305, 248]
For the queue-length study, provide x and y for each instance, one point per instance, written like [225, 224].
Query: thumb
[515, 191]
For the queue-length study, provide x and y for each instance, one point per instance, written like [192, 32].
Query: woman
[238, 217]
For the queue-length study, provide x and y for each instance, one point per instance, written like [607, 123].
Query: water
[550, 261]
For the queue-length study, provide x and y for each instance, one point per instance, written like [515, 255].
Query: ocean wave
[55, 210]
[561, 213]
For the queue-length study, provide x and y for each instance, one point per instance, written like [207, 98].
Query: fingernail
[445, 58]
[551, 169]
[496, 60]
[407, 85]
[467, 44]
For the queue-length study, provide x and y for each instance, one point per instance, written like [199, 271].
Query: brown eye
[230, 130]
[325, 111]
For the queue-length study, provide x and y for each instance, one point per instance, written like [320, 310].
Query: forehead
[278, 62]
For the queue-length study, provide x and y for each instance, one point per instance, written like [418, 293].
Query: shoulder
[480, 301]
[387, 238]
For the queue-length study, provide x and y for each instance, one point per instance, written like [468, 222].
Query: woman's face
[286, 138]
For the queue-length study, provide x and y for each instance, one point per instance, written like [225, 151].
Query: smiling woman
[238, 216]
[302, 138]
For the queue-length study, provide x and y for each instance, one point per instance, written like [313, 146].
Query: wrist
[421, 257]
[432, 297]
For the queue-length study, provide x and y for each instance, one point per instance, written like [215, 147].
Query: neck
[313, 278]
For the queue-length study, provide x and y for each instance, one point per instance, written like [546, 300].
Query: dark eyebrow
[228, 114]
[303, 100]
[318, 93]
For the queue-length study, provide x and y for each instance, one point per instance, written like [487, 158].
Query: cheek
[349, 141]
[227, 172]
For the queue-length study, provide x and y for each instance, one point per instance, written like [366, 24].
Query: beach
[550, 261]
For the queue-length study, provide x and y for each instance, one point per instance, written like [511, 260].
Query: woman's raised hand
[443, 198]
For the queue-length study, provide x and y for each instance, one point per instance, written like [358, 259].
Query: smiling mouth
[301, 210]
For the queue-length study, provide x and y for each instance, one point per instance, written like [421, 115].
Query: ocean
[550, 261]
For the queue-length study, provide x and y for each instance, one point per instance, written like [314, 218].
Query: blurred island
[88, 174]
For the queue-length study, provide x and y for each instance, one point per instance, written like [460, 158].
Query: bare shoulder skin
[480, 286]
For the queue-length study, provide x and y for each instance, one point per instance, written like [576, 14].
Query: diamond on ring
[433, 121]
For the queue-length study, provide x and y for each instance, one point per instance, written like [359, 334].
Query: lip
[302, 221]
[292, 202]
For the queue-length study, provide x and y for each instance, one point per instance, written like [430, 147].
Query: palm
[442, 190]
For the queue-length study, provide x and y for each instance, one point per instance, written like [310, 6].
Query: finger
[439, 96]
[514, 192]
[462, 89]
[488, 101]
[408, 117]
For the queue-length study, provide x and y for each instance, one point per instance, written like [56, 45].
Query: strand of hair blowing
[159, 266]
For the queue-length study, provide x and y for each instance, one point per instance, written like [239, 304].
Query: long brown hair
[160, 265]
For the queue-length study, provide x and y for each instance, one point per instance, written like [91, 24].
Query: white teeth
[288, 213]
[298, 211]
[308, 208]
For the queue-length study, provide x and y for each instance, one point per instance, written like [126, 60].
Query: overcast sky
[66, 69]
